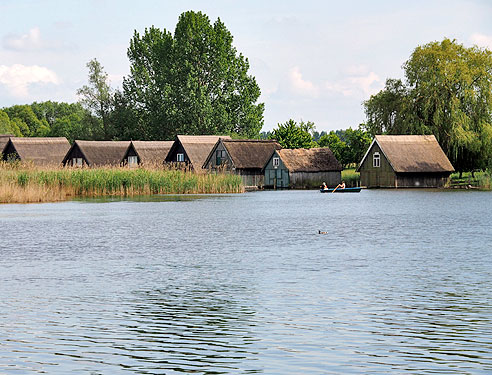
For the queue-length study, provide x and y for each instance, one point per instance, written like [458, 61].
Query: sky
[313, 60]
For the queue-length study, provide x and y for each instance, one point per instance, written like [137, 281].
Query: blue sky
[314, 60]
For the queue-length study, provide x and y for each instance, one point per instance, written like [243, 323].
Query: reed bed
[479, 180]
[25, 184]
[351, 177]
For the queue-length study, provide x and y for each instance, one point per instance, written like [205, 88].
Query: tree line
[194, 81]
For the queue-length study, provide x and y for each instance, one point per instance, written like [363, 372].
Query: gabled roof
[4, 138]
[151, 152]
[412, 153]
[247, 153]
[40, 151]
[197, 147]
[98, 153]
[309, 160]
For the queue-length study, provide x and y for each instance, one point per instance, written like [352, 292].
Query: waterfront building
[96, 153]
[191, 151]
[245, 157]
[36, 150]
[302, 168]
[401, 161]
[147, 153]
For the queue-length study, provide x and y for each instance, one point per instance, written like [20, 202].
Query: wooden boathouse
[245, 157]
[147, 153]
[403, 161]
[4, 138]
[191, 151]
[96, 153]
[302, 168]
[37, 150]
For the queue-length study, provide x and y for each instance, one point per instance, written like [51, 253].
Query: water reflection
[196, 330]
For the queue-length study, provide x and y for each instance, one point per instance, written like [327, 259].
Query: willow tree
[447, 92]
[194, 82]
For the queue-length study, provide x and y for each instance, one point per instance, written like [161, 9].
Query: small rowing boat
[346, 190]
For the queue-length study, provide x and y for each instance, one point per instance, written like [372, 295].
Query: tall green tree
[447, 92]
[97, 98]
[336, 145]
[293, 135]
[7, 126]
[194, 82]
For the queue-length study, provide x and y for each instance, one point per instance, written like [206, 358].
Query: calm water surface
[241, 284]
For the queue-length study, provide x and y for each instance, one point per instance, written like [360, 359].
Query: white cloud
[357, 85]
[33, 41]
[300, 85]
[30, 41]
[17, 78]
[482, 40]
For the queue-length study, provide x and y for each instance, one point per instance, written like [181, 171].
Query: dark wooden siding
[75, 153]
[371, 176]
[226, 163]
[426, 180]
[9, 153]
[279, 175]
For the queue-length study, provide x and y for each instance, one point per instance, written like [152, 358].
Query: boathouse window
[376, 160]
[77, 162]
[180, 157]
[132, 161]
[276, 162]
[220, 156]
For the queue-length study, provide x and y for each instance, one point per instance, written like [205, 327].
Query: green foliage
[351, 177]
[448, 93]
[293, 135]
[336, 145]
[348, 146]
[97, 98]
[194, 82]
[7, 126]
[48, 119]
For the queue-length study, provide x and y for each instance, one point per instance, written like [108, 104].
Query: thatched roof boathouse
[4, 138]
[148, 153]
[302, 168]
[245, 157]
[191, 151]
[96, 153]
[394, 161]
[36, 150]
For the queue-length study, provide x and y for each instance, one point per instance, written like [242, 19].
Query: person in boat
[341, 186]
[324, 187]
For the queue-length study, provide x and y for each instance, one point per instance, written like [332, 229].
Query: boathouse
[96, 153]
[402, 161]
[191, 151]
[147, 153]
[302, 168]
[4, 138]
[36, 150]
[245, 157]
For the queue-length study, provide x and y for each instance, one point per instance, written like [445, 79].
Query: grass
[480, 180]
[351, 177]
[26, 184]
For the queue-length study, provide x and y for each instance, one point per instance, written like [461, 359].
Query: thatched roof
[250, 153]
[197, 147]
[99, 153]
[40, 151]
[151, 152]
[413, 153]
[309, 160]
[4, 138]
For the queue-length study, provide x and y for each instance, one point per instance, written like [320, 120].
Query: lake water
[238, 284]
